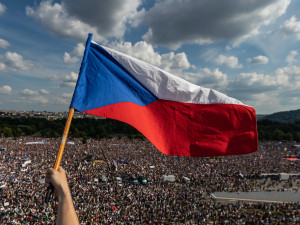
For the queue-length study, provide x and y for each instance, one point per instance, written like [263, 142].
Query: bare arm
[66, 213]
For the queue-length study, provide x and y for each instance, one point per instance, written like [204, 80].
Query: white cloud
[174, 62]
[13, 61]
[258, 60]
[69, 59]
[5, 89]
[140, 50]
[2, 8]
[260, 82]
[75, 19]
[55, 19]
[64, 99]
[32, 99]
[283, 83]
[53, 77]
[171, 62]
[67, 95]
[291, 27]
[72, 57]
[228, 48]
[281, 94]
[208, 78]
[39, 99]
[265, 103]
[291, 58]
[4, 43]
[2, 65]
[228, 61]
[194, 21]
[109, 17]
[31, 96]
[290, 72]
[266, 92]
[43, 92]
[28, 92]
[69, 80]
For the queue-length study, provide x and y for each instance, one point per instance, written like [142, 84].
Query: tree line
[107, 128]
[80, 128]
[278, 131]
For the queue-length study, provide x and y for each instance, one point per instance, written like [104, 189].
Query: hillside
[261, 116]
[285, 116]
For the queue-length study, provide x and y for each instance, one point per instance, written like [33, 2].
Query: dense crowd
[188, 201]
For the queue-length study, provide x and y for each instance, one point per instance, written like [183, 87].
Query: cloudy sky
[249, 50]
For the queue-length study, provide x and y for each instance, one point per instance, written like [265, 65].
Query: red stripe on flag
[187, 129]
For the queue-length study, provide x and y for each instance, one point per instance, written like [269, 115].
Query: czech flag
[178, 117]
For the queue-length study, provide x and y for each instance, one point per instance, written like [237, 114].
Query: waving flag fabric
[178, 117]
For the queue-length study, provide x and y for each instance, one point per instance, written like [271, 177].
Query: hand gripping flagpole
[50, 188]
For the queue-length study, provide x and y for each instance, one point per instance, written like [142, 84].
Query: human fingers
[47, 180]
[49, 172]
[60, 169]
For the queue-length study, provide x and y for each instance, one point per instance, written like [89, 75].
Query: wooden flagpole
[64, 139]
[60, 151]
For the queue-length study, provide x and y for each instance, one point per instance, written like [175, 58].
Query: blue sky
[249, 50]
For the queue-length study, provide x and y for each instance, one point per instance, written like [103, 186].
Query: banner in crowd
[37, 143]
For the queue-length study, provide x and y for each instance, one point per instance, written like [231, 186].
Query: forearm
[66, 213]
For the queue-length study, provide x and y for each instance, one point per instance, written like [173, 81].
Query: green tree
[297, 136]
[84, 139]
[7, 131]
[278, 135]
[17, 132]
[288, 136]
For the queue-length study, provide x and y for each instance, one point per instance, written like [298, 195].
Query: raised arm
[66, 213]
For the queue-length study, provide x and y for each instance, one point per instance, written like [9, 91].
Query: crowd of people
[109, 201]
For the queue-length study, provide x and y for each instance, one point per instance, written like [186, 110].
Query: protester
[22, 189]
